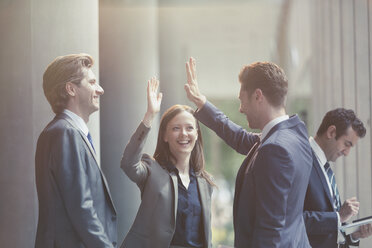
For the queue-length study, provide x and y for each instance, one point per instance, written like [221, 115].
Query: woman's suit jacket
[155, 222]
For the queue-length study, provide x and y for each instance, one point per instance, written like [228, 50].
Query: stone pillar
[128, 58]
[33, 32]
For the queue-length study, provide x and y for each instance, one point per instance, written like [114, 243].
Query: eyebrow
[185, 124]
[349, 143]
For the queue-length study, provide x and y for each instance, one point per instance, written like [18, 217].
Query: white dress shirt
[271, 124]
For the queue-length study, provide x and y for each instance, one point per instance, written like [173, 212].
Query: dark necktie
[91, 141]
[332, 181]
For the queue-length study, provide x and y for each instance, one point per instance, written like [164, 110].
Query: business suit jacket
[155, 222]
[75, 206]
[268, 201]
[319, 214]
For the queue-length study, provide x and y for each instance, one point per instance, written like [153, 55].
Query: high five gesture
[153, 101]
[192, 88]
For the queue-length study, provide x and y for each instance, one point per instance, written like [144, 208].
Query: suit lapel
[252, 156]
[322, 179]
[205, 202]
[85, 138]
[175, 193]
[240, 176]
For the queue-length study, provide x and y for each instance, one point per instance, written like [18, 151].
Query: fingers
[148, 88]
[152, 85]
[353, 204]
[189, 93]
[160, 96]
[153, 100]
[193, 68]
[368, 229]
[365, 231]
[352, 199]
[349, 209]
[191, 71]
[188, 73]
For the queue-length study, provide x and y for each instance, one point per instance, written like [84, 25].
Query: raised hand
[192, 88]
[153, 101]
[349, 209]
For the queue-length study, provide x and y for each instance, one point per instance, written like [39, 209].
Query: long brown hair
[163, 154]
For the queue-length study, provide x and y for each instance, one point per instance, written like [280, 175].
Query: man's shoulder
[290, 142]
[287, 137]
[59, 126]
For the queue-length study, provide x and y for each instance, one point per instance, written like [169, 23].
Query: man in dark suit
[75, 206]
[323, 212]
[272, 181]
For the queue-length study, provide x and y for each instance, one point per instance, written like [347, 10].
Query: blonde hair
[61, 70]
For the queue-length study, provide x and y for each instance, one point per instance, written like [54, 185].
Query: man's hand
[192, 88]
[364, 232]
[349, 209]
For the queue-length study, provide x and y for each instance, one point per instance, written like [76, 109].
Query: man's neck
[77, 111]
[320, 142]
[271, 114]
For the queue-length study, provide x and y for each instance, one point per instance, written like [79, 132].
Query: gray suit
[75, 206]
[155, 222]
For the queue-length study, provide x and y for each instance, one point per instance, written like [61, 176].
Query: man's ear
[70, 89]
[258, 94]
[331, 132]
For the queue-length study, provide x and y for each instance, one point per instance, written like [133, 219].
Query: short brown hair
[62, 70]
[268, 77]
[342, 119]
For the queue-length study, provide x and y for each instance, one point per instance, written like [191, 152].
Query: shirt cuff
[340, 236]
[353, 240]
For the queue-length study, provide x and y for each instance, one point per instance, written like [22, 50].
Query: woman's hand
[153, 101]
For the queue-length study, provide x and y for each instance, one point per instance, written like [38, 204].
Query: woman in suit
[175, 188]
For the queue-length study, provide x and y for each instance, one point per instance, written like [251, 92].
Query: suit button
[114, 243]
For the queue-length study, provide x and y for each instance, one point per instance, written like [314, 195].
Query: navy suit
[269, 195]
[75, 206]
[320, 216]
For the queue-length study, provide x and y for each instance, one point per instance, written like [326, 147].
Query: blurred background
[324, 46]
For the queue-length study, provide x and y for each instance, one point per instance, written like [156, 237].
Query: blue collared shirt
[189, 225]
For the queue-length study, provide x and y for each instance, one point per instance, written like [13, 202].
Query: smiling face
[181, 134]
[341, 146]
[87, 93]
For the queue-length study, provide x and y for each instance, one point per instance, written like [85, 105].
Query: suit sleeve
[234, 135]
[320, 223]
[71, 162]
[273, 175]
[133, 162]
